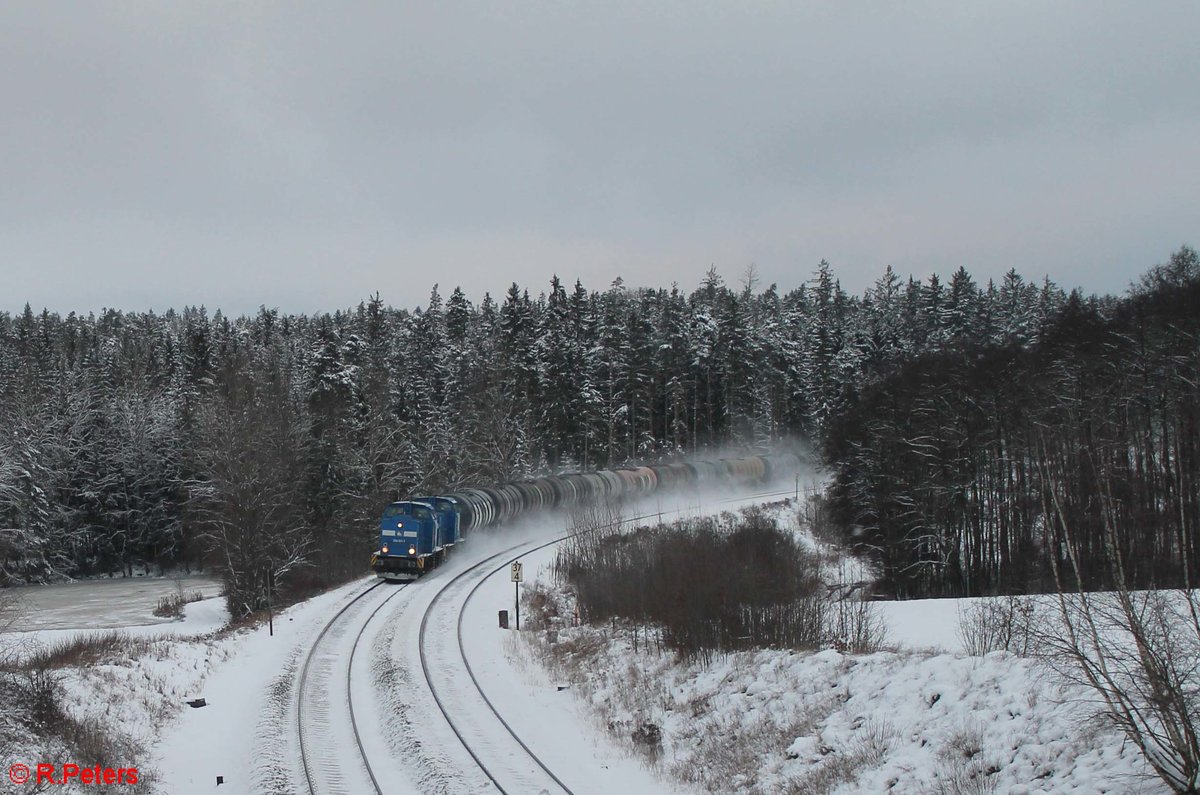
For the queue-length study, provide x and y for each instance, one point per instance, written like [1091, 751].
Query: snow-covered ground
[925, 624]
[923, 717]
[119, 700]
[884, 722]
[248, 734]
[542, 709]
[544, 717]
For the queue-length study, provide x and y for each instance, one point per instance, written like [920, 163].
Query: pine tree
[558, 375]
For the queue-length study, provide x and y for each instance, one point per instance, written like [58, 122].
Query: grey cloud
[305, 155]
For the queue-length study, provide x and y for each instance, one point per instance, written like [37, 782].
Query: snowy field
[922, 717]
[911, 720]
[925, 624]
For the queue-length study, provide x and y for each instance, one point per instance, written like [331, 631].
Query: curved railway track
[325, 703]
[488, 769]
[326, 769]
[455, 726]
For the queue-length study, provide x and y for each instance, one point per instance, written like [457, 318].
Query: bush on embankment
[707, 584]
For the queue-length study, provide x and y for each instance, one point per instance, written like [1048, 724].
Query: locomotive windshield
[406, 509]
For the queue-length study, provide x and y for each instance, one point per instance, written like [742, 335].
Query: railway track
[538, 777]
[535, 778]
[325, 715]
[321, 710]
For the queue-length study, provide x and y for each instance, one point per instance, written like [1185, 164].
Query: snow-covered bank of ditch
[772, 721]
[914, 718]
[125, 697]
[105, 696]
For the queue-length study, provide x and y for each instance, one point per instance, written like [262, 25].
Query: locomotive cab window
[421, 513]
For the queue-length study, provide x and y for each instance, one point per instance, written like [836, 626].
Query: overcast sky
[304, 155]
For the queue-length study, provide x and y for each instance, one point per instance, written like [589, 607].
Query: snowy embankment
[922, 717]
[113, 690]
[905, 721]
[129, 693]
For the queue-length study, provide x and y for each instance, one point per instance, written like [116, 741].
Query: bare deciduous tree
[248, 496]
[1139, 651]
[11, 613]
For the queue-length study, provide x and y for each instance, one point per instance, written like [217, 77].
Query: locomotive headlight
[412, 550]
[384, 550]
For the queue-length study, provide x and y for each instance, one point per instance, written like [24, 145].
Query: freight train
[416, 535]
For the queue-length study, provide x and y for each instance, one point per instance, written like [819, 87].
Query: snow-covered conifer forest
[966, 425]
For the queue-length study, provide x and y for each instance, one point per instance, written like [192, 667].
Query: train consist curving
[416, 535]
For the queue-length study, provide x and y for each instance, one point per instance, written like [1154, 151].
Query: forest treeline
[975, 469]
[265, 445]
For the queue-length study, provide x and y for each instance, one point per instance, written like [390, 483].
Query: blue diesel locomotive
[416, 535]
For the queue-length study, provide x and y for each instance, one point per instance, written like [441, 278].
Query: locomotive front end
[408, 541]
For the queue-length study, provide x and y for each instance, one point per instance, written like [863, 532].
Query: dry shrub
[648, 736]
[541, 607]
[90, 650]
[963, 777]
[709, 584]
[961, 768]
[33, 696]
[569, 657]
[1138, 653]
[96, 745]
[814, 513]
[856, 626]
[34, 708]
[1003, 623]
[964, 743]
[171, 605]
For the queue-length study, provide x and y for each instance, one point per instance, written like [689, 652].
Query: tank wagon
[416, 535]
